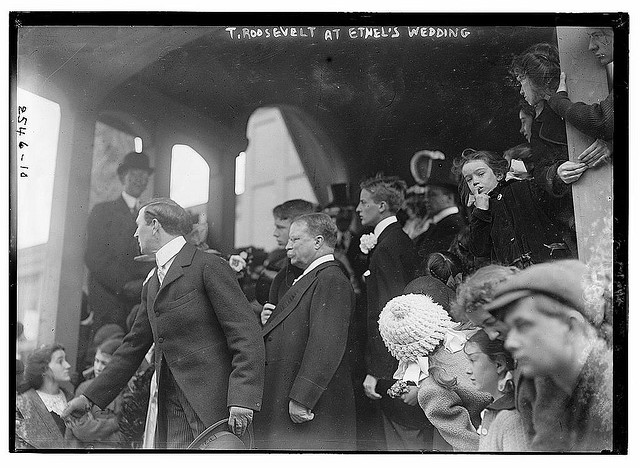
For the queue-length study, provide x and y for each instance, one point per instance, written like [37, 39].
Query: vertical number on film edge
[21, 130]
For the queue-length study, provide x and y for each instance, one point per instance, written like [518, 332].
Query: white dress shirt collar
[382, 225]
[169, 250]
[444, 213]
[317, 262]
[131, 202]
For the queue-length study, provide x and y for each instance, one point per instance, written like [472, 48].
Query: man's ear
[500, 176]
[319, 241]
[576, 320]
[383, 206]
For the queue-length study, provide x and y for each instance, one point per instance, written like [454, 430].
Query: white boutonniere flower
[368, 242]
[238, 262]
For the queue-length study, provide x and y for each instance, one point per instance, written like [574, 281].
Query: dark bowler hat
[135, 160]
[216, 437]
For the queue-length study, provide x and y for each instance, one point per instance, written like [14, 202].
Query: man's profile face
[601, 44]
[135, 182]
[368, 209]
[301, 246]
[437, 200]
[537, 341]
[144, 234]
[281, 231]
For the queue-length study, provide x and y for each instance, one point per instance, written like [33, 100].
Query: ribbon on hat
[454, 341]
[412, 371]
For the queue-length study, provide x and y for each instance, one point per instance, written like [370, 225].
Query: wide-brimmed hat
[412, 325]
[135, 160]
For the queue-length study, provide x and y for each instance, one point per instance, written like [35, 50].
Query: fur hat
[412, 325]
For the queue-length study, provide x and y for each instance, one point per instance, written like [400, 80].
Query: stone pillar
[592, 193]
[64, 264]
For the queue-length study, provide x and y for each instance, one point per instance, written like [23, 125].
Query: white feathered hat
[412, 325]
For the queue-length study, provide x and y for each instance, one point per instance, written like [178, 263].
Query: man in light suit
[115, 279]
[308, 396]
[392, 265]
[209, 355]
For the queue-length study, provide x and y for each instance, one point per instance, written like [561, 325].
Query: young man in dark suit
[209, 355]
[115, 279]
[392, 265]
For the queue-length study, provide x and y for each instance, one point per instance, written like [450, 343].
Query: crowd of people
[448, 316]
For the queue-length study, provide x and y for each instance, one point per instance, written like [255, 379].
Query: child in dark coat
[509, 222]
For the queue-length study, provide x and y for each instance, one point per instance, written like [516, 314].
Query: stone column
[64, 265]
[592, 193]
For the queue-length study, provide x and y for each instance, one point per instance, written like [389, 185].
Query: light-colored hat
[412, 325]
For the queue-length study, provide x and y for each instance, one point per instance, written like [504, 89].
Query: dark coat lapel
[183, 258]
[390, 228]
[292, 297]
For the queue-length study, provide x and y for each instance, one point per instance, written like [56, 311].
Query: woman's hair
[493, 349]
[498, 164]
[443, 265]
[521, 152]
[438, 373]
[478, 289]
[540, 63]
[37, 364]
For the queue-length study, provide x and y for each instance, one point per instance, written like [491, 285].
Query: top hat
[339, 196]
[135, 160]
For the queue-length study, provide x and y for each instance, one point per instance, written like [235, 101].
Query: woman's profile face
[529, 91]
[59, 367]
[484, 373]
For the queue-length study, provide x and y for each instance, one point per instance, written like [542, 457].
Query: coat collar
[388, 230]
[292, 297]
[505, 402]
[183, 258]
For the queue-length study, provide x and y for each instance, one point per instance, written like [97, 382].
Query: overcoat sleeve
[125, 360]
[595, 120]
[445, 410]
[329, 314]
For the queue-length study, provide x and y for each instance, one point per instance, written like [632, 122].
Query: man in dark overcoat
[444, 222]
[393, 261]
[308, 396]
[115, 278]
[209, 355]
